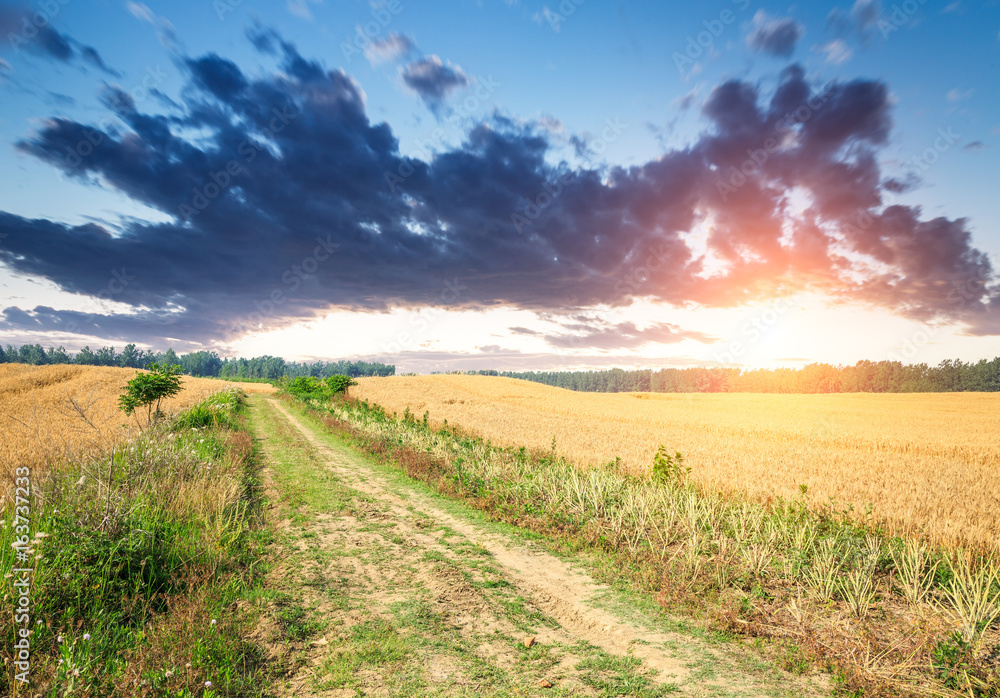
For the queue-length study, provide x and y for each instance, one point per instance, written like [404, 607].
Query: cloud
[90, 55]
[292, 202]
[218, 76]
[776, 36]
[861, 21]
[390, 48]
[836, 52]
[46, 41]
[264, 39]
[974, 145]
[957, 95]
[164, 29]
[513, 360]
[300, 8]
[547, 16]
[141, 11]
[625, 335]
[902, 185]
[433, 80]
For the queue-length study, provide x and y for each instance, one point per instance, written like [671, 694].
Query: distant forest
[198, 363]
[862, 377]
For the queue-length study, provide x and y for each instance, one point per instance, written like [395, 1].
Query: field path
[564, 608]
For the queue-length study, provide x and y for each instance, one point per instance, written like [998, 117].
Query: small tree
[148, 389]
[340, 384]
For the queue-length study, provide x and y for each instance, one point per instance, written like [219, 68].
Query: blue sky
[562, 73]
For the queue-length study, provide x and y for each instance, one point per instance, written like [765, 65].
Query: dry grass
[39, 407]
[923, 461]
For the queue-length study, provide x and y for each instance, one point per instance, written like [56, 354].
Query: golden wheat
[925, 462]
[41, 406]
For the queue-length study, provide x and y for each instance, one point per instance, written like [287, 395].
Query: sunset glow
[652, 185]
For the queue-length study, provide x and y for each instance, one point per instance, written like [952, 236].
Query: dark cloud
[55, 45]
[291, 202]
[393, 47]
[433, 80]
[777, 36]
[901, 185]
[20, 30]
[143, 327]
[217, 75]
[264, 39]
[974, 145]
[90, 55]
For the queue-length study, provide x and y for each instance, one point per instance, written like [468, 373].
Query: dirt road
[396, 591]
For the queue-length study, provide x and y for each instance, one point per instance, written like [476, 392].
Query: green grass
[617, 676]
[635, 533]
[136, 585]
[391, 631]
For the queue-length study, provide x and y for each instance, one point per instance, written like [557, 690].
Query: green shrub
[339, 383]
[149, 389]
[312, 388]
[668, 468]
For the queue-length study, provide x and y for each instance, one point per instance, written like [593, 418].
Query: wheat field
[924, 462]
[39, 422]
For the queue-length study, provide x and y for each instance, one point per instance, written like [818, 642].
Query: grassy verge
[885, 616]
[139, 560]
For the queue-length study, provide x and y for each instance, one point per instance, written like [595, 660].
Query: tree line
[197, 363]
[862, 377]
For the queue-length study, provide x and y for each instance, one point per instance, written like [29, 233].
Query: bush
[312, 388]
[339, 383]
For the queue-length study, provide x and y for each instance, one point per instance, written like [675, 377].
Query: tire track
[555, 587]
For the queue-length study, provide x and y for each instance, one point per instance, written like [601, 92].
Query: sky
[507, 184]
